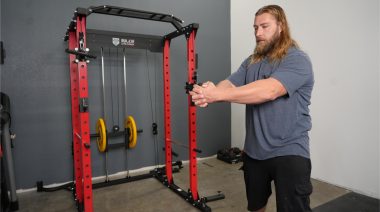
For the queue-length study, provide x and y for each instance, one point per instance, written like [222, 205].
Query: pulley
[130, 125]
[102, 135]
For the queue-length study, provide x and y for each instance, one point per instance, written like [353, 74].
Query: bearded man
[275, 83]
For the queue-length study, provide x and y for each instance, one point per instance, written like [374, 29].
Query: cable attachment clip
[83, 105]
[189, 86]
[81, 53]
[154, 129]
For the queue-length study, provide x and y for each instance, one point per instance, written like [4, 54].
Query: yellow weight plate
[102, 132]
[130, 125]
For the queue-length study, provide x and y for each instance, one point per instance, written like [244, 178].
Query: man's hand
[197, 96]
[203, 95]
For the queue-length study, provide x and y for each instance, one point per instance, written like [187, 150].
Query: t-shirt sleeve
[238, 77]
[294, 72]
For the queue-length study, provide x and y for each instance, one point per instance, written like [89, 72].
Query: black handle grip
[197, 150]
[82, 54]
[214, 197]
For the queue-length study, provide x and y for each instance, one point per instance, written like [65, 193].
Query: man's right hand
[197, 95]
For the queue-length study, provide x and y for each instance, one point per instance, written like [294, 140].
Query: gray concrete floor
[150, 195]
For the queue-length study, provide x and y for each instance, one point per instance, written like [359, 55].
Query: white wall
[342, 39]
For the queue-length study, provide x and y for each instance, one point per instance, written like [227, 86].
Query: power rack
[79, 57]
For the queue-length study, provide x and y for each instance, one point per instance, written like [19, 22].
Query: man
[275, 83]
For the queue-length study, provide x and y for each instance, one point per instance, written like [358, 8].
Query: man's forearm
[225, 84]
[253, 93]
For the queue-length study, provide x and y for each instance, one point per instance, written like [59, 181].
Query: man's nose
[258, 32]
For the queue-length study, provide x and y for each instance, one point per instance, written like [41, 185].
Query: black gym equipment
[130, 131]
[230, 155]
[77, 36]
[100, 42]
[9, 200]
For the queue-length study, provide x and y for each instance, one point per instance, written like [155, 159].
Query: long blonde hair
[284, 42]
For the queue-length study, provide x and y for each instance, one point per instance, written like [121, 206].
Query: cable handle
[83, 55]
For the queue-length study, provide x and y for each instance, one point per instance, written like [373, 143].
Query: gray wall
[36, 77]
[1, 36]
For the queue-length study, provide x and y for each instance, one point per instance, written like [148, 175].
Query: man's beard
[263, 48]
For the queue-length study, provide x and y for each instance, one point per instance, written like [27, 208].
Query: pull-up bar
[139, 14]
[124, 12]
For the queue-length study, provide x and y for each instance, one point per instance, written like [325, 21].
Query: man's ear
[280, 27]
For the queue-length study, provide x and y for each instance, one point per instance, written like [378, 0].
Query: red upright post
[167, 118]
[192, 116]
[75, 118]
[80, 117]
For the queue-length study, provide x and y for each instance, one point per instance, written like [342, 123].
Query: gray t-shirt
[279, 127]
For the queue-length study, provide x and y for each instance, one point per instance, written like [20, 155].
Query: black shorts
[291, 176]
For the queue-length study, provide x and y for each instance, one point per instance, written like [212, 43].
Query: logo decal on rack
[116, 41]
[127, 42]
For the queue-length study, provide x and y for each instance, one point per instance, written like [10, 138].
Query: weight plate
[102, 132]
[130, 125]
